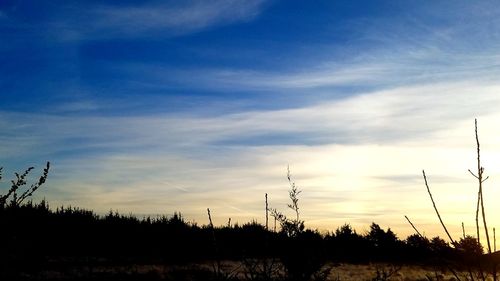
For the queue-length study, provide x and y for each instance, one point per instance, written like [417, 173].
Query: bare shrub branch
[18, 183]
[480, 199]
[414, 228]
[435, 208]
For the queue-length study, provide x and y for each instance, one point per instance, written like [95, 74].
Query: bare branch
[16, 184]
[486, 178]
[477, 217]
[472, 174]
[435, 208]
[494, 240]
[293, 194]
[267, 215]
[211, 225]
[29, 192]
[480, 171]
[416, 230]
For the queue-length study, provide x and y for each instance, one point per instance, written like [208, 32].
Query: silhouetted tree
[418, 247]
[470, 246]
[385, 244]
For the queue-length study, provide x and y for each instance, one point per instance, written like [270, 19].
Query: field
[201, 271]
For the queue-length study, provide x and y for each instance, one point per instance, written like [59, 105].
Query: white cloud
[345, 158]
[152, 18]
[407, 50]
[195, 15]
[379, 72]
[389, 116]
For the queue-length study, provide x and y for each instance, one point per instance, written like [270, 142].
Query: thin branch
[418, 232]
[478, 177]
[480, 171]
[435, 208]
[29, 192]
[463, 230]
[16, 184]
[211, 225]
[414, 228]
[293, 194]
[486, 178]
[477, 216]
[267, 215]
[217, 266]
[494, 240]
[474, 175]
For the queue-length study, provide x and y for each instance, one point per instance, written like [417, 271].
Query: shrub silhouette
[302, 250]
[19, 183]
[384, 244]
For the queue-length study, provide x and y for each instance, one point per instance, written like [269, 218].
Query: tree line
[35, 230]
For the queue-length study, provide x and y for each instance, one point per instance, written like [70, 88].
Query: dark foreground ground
[234, 271]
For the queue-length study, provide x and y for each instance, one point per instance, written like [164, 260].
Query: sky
[152, 107]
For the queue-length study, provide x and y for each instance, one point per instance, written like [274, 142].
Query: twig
[423, 237]
[217, 266]
[414, 228]
[463, 230]
[210, 219]
[267, 215]
[34, 187]
[477, 215]
[495, 265]
[16, 184]
[494, 240]
[435, 208]
[293, 193]
[480, 175]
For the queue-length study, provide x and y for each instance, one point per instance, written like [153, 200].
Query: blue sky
[160, 106]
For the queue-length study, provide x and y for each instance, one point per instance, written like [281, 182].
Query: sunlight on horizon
[340, 184]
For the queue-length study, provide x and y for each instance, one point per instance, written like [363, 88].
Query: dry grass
[202, 271]
[348, 272]
[357, 272]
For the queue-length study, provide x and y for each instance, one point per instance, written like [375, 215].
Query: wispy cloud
[76, 106]
[151, 18]
[348, 151]
[424, 49]
[378, 72]
[401, 114]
